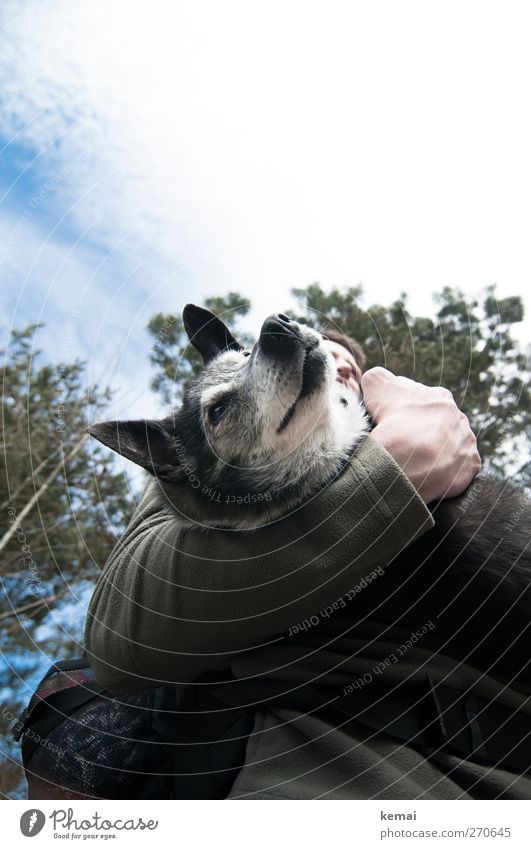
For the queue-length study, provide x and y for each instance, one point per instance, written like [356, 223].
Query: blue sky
[58, 271]
[156, 154]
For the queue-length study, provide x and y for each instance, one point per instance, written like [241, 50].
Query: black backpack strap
[431, 719]
[69, 665]
[44, 713]
[205, 740]
[50, 712]
[482, 730]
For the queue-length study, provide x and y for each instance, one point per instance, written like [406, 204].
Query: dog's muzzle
[280, 336]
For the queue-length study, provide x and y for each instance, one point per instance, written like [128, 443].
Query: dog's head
[257, 430]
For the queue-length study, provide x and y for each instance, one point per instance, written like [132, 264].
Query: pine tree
[175, 360]
[62, 508]
[467, 345]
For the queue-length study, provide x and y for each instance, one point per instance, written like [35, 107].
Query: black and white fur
[260, 431]
[271, 422]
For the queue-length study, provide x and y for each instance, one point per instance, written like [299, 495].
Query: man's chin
[352, 388]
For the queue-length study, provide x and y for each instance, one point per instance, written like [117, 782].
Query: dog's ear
[144, 441]
[207, 332]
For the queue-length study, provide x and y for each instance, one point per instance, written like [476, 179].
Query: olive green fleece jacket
[174, 602]
[279, 602]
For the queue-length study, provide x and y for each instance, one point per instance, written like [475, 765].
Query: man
[349, 357]
[174, 603]
[396, 402]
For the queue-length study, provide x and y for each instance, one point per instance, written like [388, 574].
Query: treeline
[63, 503]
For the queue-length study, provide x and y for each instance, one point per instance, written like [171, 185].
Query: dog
[260, 431]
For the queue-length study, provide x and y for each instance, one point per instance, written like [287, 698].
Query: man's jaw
[351, 387]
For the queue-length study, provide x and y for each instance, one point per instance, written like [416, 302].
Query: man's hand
[424, 431]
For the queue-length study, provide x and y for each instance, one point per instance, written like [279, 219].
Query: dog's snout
[279, 335]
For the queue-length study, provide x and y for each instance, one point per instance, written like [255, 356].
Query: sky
[157, 153]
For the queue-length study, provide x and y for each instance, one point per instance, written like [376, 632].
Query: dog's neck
[258, 500]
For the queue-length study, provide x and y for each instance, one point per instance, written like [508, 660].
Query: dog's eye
[216, 411]
[246, 353]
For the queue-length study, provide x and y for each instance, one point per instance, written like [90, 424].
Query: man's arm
[172, 603]
[425, 432]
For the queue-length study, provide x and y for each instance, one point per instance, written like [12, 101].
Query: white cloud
[84, 308]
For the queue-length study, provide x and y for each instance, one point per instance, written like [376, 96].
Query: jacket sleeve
[173, 602]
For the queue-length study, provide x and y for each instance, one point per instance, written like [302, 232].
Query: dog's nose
[279, 335]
